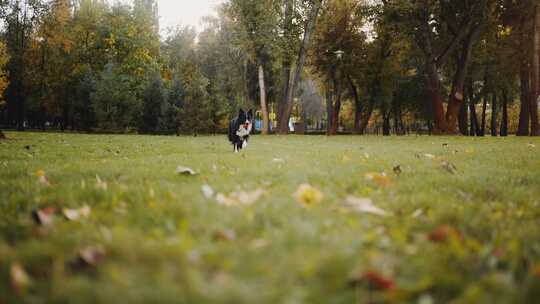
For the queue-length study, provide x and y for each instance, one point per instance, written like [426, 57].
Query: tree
[337, 53]
[114, 102]
[153, 100]
[289, 80]
[3, 79]
[257, 34]
[21, 17]
[441, 29]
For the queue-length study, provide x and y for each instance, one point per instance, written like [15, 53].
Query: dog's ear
[242, 115]
[250, 113]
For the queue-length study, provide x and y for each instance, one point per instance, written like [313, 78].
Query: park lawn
[466, 236]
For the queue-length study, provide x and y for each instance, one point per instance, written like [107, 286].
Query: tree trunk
[386, 123]
[456, 99]
[494, 115]
[337, 107]
[357, 107]
[286, 63]
[523, 127]
[463, 118]
[475, 130]
[329, 108]
[504, 122]
[283, 127]
[535, 73]
[483, 129]
[437, 107]
[264, 107]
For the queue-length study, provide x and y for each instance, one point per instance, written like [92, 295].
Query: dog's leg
[244, 144]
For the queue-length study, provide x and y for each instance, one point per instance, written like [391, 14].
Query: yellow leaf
[308, 195]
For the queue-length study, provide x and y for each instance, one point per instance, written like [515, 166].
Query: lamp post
[335, 111]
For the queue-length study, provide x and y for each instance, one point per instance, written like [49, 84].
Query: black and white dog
[239, 129]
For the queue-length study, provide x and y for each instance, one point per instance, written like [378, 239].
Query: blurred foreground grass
[452, 219]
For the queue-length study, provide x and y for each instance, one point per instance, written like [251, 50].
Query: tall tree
[3, 79]
[257, 33]
[286, 104]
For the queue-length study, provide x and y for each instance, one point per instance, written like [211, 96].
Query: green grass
[165, 242]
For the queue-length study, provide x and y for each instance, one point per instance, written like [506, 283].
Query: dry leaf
[258, 244]
[430, 156]
[378, 281]
[91, 256]
[207, 191]
[102, 185]
[442, 233]
[417, 213]
[224, 235]
[531, 145]
[239, 198]
[308, 195]
[42, 178]
[185, 171]
[381, 179]
[20, 280]
[375, 280]
[363, 205]
[77, 214]
[45, 216]
[448, 166]
[397, 170]
[278, 160]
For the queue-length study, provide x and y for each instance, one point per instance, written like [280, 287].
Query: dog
[240, 129]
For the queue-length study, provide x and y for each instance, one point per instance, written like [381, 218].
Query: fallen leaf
[45, 216]
[535, 270]
[417, 213]
[375, 280]
[42, 178]
[381, 179]
[448, 166]
[207, 191]
[258, 244]
[308, 195]
[397, 170]
[224, 235]
[239, 198]
[442, 233]
[363, 205]
[531, 145]
[185, 171]
[278, 160]
[91, 256]
[100, 184]
[20, 280]
[77, 214]
[430, 156]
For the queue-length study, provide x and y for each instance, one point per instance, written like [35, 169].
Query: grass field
[458, 221]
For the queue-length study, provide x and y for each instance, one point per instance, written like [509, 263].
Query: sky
[185, 12]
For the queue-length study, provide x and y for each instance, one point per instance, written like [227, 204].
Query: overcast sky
[185, 12]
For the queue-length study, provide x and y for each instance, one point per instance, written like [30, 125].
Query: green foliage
[83, 111]
[153, 102]
[115, 104]
[194, 115]
[3, 77]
